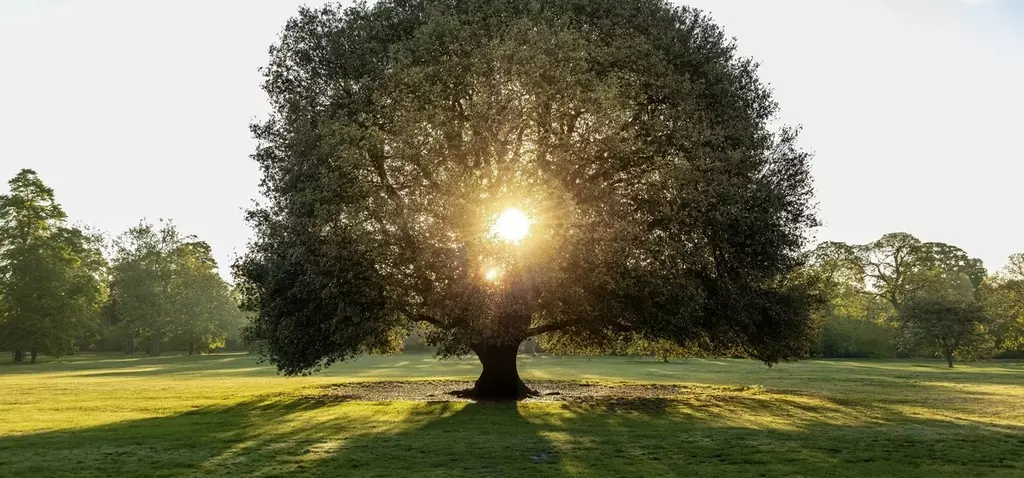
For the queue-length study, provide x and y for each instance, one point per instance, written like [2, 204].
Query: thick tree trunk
[191, 347]
[949, 357]
[499, 379]
[130, 349]
[34, 353]
[19, 355]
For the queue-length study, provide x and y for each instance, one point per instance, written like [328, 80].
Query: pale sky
[914, 109]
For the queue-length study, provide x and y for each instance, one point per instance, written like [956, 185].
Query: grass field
[228, 415]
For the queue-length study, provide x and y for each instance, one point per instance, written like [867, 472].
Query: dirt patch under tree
[547, 391]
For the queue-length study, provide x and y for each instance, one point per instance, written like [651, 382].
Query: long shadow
[758, 434]
[127, 365]
[1001, 373]
[234, 365]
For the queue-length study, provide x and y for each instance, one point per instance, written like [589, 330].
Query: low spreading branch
[552, 327]
[431, 320]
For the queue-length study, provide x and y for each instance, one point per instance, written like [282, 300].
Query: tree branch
[552, 327]
[430, 320]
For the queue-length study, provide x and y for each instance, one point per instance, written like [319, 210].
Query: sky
[914, 110]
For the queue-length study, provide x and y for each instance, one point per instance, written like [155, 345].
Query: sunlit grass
[228, 415]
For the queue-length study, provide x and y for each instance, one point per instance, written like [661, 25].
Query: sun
[492, 274]
[512, 225]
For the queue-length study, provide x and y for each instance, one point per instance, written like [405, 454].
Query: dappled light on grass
[725, 407]
[289, 435]
[303, 433]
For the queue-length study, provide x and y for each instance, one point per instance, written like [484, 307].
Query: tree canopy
[949, 323]
[630, 133]
[869, 287]
[897, 266]
[165, 285]
[59, 294]
[1003, 296]
[52, 274]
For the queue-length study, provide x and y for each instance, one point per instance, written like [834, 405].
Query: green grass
[228, 415]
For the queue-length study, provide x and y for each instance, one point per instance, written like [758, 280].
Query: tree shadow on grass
[140, 365]
[1003, 372]
[713, 433]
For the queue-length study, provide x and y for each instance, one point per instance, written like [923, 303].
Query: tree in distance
[945, 283]
[497, 170]
[897, 266]
[1003, 296]
[52, 275]
[165, 284]
[948, 323]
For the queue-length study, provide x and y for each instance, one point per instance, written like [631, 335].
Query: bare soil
[546, 391]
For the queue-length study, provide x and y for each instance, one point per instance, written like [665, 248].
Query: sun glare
[512, 225]
[492, 274]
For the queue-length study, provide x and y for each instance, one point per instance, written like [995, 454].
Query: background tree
[892, 269]
[1003, 298]
[51, 274]
[898, 265]
[204, 307]
[837, 273]
[947, 264]
[630, 136]
[141, 285]
[855, 322]
[945, 274]
[891, 266]
[87, 245]
[1014, 269]
[166, 286]
[951, 323]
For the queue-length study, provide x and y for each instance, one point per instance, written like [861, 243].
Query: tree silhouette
[630, 135]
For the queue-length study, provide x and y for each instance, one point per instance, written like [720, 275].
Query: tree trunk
[154, 347]
[19, 356]
[949, 357]
[130, 349]
[499, 379]
[191, 347]
[33, 356]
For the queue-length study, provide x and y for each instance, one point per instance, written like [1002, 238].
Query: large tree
[502, 169]
[51, 274]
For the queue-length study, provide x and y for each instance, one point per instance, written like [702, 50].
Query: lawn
[229, 415]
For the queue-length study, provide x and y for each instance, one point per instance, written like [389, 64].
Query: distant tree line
[65, 288]
[901, 297]
[896, 297]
